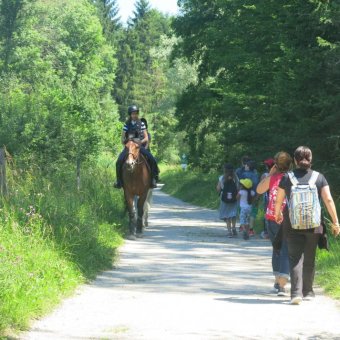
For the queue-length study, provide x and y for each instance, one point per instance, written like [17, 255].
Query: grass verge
[328, 268]
[199, 189]
[52, 238]
[191, 186]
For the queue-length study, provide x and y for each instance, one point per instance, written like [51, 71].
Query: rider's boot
[118, 184]
[153, 183]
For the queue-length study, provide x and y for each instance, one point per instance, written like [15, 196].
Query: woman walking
[227, 189]
[304, 188]
[270, 184]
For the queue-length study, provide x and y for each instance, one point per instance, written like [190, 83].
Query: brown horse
[136, 179]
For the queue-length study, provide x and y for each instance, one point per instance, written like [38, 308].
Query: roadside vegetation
[54, 237]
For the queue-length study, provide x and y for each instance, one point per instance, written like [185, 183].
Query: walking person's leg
[273, 228]
[230, 234]
[283, 267]
[308, 272]
[252, 219]
[296, 246]
[246, 222]
[243, 220]
[233, 222]
[264, 233]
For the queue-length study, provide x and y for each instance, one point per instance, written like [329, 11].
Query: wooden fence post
[3, 179]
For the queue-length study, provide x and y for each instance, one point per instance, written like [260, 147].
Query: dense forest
[268, 79]
[222, 79]
[69, 70]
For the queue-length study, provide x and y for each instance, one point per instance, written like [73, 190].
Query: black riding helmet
[133, 108]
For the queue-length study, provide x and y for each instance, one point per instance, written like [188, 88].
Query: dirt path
[186, 280]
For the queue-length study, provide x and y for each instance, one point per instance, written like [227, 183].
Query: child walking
[227, 189]
[245, 196]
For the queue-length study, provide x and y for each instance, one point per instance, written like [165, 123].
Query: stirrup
[153, 184]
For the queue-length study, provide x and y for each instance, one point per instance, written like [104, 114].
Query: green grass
[52, 238]
[191, 186]
[199, 189]
[328, 268]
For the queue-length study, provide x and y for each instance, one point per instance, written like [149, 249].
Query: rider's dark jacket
[134, 129]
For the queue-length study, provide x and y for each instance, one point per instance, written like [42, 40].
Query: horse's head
[133, 154]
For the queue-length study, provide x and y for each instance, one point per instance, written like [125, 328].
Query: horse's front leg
[132, 220]
[140, 209]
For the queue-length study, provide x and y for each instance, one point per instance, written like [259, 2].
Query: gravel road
[186, 280]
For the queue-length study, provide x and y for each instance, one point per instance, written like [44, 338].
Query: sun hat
[247, 183]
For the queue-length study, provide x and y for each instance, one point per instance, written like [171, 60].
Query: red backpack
[273, 188]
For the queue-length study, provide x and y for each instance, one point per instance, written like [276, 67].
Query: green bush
[328, 269]
[53, 237]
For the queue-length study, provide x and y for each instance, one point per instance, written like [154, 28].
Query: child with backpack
[227, 189]
[245, 196]
[304, 187]
[248, 170]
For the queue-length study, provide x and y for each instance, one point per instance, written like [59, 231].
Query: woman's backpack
[272, 196]
[304, 203]
[229, 191]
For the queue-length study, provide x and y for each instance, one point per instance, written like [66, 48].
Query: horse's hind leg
[140, 222]
[146, 216]
[147, 207]
[132, 222]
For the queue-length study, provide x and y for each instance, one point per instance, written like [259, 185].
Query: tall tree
[135, 76]
[142, 7]
[13, 14]
[110, 18]
[55, 101]
[263, 67]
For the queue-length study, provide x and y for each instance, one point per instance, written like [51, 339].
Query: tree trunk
[3, 179]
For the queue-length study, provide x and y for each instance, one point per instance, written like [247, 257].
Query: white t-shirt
[244, 198]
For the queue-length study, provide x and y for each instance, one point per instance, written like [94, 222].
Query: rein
[136, 158]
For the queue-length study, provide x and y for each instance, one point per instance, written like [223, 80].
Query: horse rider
[136, 129]
[147, 144]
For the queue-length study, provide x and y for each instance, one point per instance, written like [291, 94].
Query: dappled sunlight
[186, 280]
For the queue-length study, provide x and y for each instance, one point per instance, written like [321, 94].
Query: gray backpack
[304, 204]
